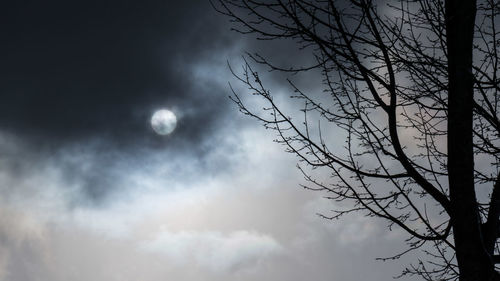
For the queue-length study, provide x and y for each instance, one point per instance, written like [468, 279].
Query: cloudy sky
[90, 192]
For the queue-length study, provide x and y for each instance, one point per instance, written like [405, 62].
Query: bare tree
[413, 87]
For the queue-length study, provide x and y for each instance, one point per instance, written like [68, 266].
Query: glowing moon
[163, 122]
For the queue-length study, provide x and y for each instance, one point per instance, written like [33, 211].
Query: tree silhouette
[413, 88]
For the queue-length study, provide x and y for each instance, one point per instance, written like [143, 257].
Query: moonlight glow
[163, 122]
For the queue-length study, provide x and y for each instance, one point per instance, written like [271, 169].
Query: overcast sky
[90, 192]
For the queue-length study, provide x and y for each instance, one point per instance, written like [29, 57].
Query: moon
[163, 122]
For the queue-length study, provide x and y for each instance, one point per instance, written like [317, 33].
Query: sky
[90, 192]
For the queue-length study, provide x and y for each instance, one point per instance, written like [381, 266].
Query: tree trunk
[474, 262]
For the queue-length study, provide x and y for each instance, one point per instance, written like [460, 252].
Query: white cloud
[214, 250]
[251, 221]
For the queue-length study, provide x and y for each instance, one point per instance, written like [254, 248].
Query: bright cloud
[214, 250]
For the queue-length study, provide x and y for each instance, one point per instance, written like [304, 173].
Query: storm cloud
[85, 77]
[76, 70]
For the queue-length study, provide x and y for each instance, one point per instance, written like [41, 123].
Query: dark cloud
[80, 69]
[84, 77]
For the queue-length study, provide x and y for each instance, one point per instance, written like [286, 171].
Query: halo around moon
[163, 122]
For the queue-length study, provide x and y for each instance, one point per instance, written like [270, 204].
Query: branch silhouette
[412, 87]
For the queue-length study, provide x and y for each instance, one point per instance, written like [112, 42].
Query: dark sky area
[73, 70]
[95, 71]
